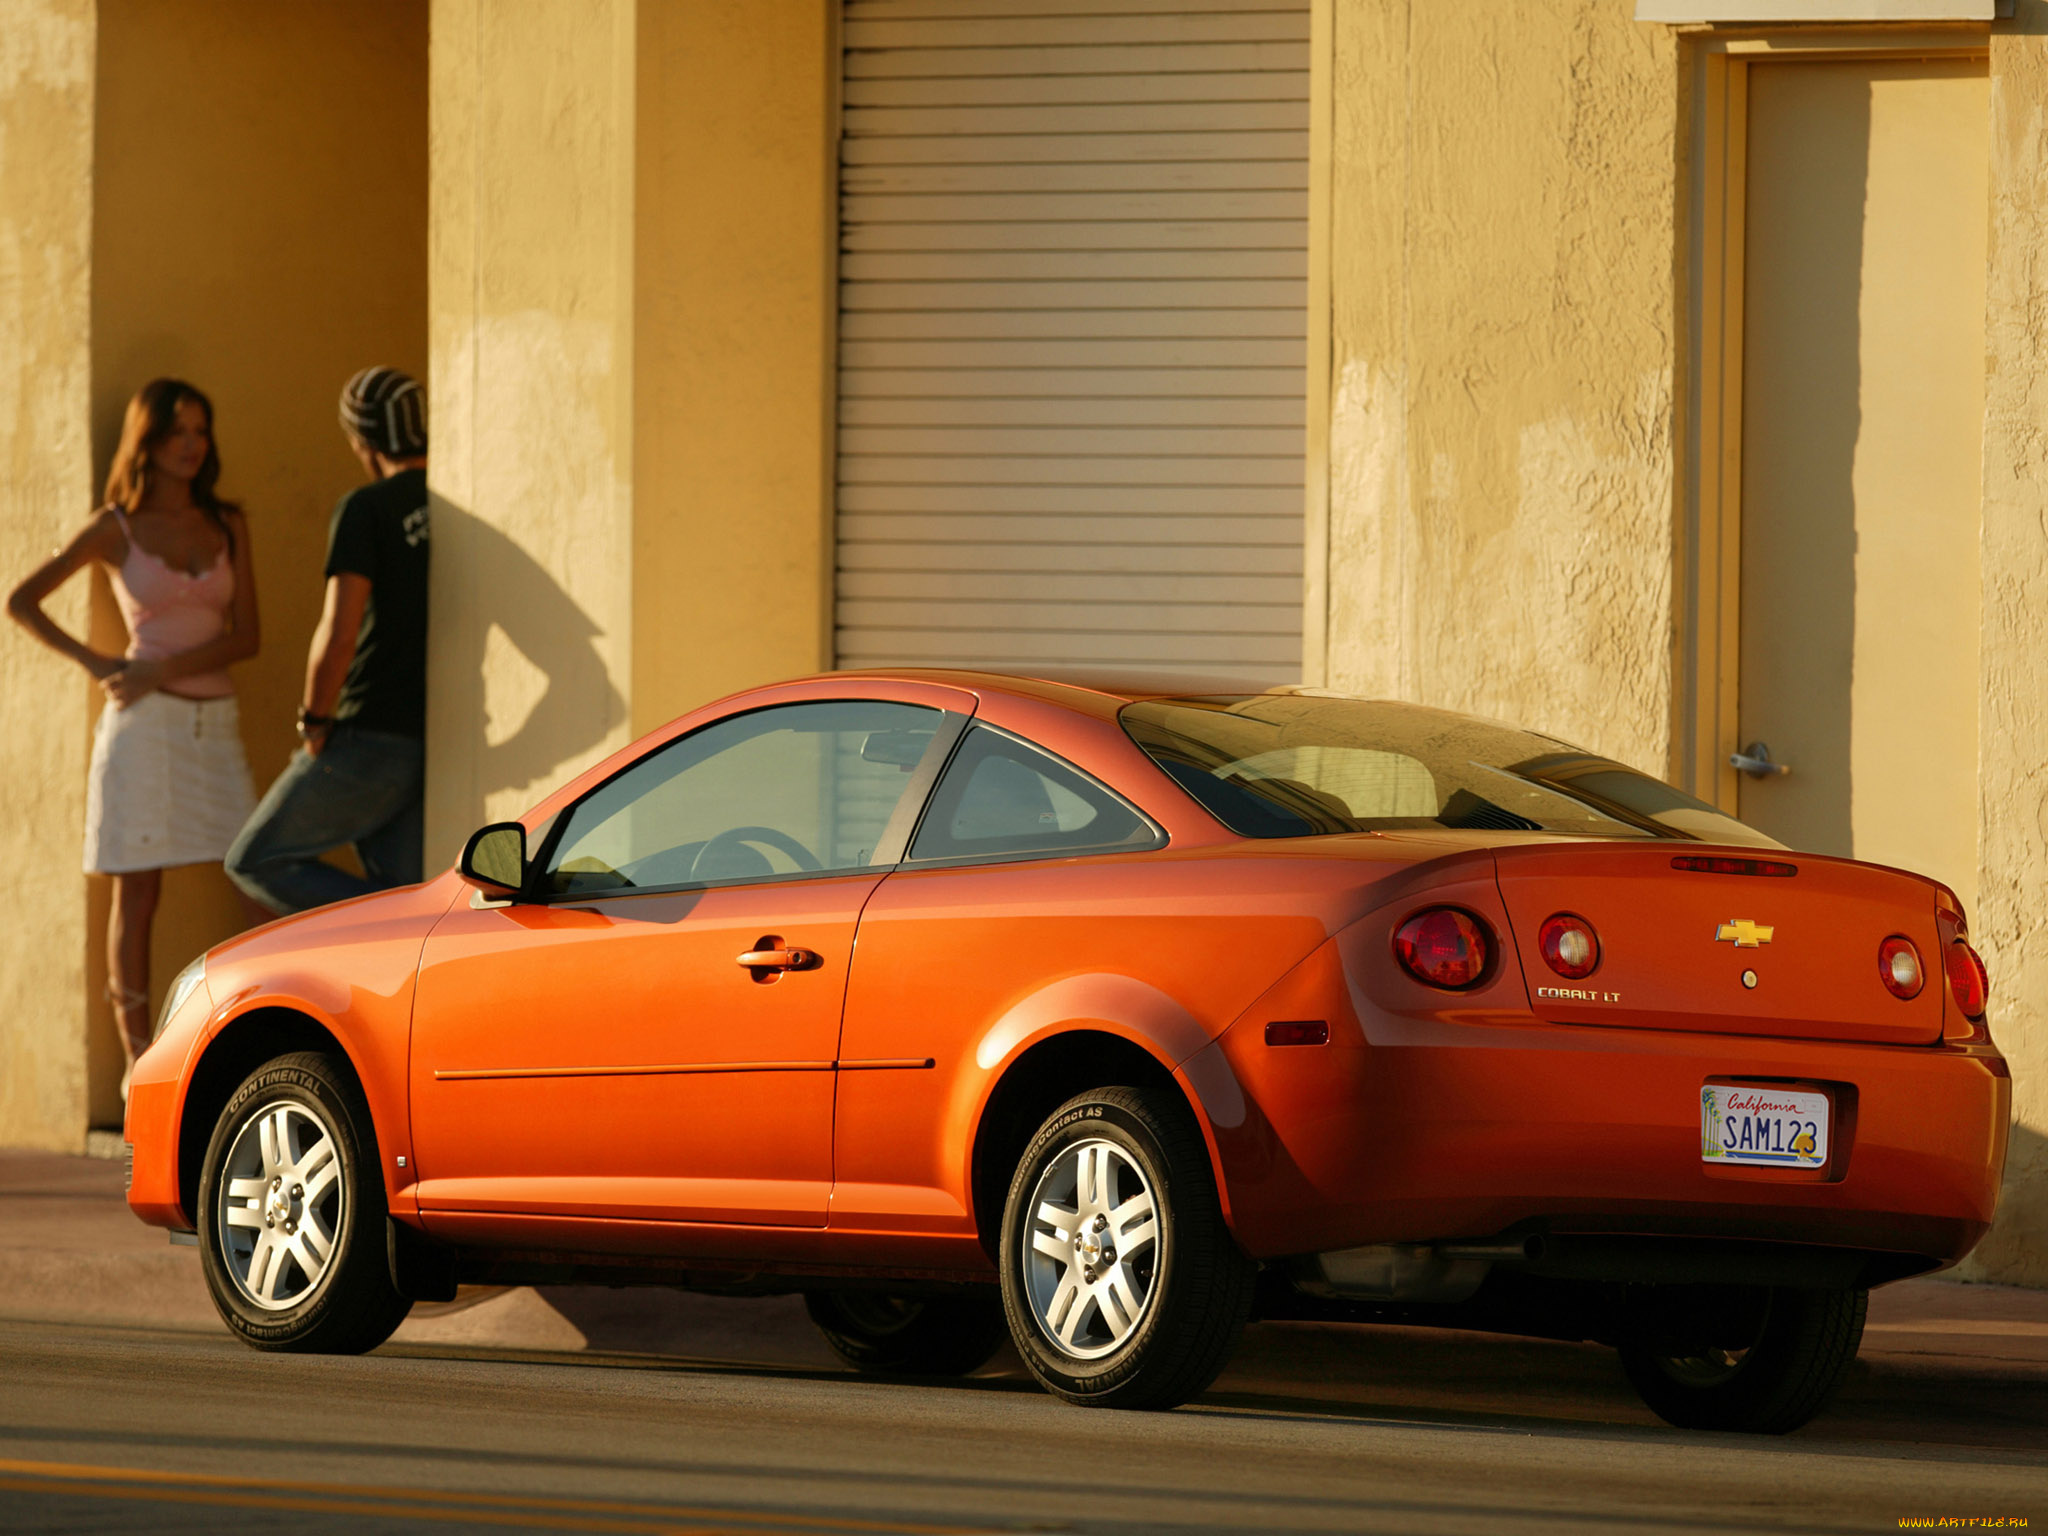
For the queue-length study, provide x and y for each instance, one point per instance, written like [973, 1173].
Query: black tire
[267, 1295]
[1789, 1355]
[910, 1335]
[1188, 1283]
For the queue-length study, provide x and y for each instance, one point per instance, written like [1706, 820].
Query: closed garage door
[1073, 334]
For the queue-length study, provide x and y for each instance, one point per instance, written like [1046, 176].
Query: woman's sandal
[124, 998]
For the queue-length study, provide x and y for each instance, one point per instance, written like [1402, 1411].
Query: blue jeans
[365, 788]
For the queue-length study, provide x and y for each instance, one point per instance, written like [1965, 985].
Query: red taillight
[1570, 946]
[1898, 967]
[1444, 947]
[1967, 978]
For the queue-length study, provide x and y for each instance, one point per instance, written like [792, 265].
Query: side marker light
[1298, 1032]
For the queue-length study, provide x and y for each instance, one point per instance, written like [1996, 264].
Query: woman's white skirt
[168, 785]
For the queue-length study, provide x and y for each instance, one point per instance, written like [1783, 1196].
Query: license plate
[1766, 1126]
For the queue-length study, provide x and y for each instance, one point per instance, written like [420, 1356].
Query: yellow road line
[415, 1503]
[224, 1498]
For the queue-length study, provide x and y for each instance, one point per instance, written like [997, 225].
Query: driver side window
[796, 789]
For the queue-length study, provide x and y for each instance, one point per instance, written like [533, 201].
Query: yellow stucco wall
[1501, 445]
[2010, 924]
[260, 229]
[1501, 259]
[182, 191]
[46, 181]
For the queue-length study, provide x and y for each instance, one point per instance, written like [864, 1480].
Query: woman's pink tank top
[170, 612]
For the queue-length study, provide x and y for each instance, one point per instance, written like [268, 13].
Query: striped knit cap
[387, 410]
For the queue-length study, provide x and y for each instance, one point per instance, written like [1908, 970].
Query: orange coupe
[1101, 1018]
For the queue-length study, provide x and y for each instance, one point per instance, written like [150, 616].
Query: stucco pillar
[46, 190]
[530, 262]
[632, 315]
[737, 227]
[2010, 925]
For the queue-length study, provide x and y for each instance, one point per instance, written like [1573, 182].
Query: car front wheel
[1123, 1285]
[292, 1213]
[1765, 1362]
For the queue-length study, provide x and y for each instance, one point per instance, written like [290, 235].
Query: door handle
[1755, 760]
[790, 958]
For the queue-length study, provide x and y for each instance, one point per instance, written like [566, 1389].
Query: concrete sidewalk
[71, 1252]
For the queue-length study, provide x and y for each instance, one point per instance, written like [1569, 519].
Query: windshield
[1301, 764]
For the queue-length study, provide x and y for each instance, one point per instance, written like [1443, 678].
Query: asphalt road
[1315, 1429]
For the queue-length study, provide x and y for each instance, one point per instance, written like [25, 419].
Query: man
[358, 776]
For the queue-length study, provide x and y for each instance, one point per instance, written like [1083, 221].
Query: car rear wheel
[910, 1335]
[292, 1213]
[1766, 1367]
[1123, 1285]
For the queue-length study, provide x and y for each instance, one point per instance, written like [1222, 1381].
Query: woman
[168, 783]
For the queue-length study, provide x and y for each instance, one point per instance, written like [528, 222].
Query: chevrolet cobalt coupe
[1101, 1018]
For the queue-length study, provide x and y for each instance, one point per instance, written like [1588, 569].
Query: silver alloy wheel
[1093, 1261]
[281, 1204]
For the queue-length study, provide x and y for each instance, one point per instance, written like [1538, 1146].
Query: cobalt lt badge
[1744, 934]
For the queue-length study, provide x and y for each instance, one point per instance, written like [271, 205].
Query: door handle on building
[1755, 760]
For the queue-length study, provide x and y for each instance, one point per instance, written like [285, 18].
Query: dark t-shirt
[380, 531]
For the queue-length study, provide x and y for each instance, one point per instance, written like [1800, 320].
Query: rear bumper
[1413, 1130]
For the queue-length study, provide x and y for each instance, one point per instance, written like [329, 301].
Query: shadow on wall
[520, 694]
[2016, 1252]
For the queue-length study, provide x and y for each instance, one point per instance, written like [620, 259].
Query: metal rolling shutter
[1072, 334]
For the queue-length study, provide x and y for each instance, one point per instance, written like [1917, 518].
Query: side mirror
[494, 859]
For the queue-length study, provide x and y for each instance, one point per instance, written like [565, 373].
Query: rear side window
[1301, 764]
[1002, 799]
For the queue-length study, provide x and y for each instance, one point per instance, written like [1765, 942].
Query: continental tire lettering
[1085, 1112]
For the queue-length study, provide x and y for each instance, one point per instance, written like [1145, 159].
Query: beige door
[1862, 425]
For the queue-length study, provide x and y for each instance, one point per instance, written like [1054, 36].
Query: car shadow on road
[1891, 1398]
[1339, 1373]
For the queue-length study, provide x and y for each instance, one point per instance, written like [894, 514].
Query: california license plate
[1772, 1127]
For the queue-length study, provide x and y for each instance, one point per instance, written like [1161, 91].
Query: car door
[1025, 872]
[649, 1033]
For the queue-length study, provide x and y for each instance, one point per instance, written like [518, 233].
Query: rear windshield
[1302, 764]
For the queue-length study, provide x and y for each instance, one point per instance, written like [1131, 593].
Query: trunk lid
[1675, 943]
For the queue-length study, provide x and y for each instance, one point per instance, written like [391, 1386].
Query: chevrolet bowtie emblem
[1744, 934]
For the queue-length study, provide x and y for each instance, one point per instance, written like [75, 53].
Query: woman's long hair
[152, 417]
